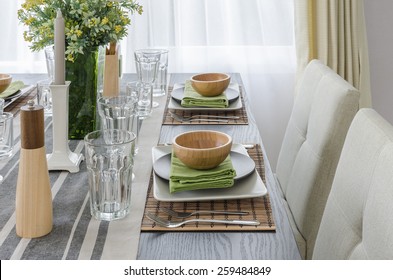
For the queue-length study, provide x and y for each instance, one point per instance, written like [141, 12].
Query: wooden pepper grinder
[33, 192]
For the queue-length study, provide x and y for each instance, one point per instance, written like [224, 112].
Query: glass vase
[82, 73]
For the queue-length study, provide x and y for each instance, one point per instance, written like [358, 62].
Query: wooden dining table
[76, 235]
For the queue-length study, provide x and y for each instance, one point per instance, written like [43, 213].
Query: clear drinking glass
[109, 160]
[161, 82]
[136, 90]
[6, 134]
[50, 61]
[147, 63]
[44, 96]
[119, 112]
[100, 70]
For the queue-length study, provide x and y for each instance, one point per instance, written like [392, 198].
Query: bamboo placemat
[15, 106]
[241, 113]
[259, 208]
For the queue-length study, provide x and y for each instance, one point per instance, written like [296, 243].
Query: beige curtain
[334, 31]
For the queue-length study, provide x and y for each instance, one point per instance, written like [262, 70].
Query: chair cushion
[322, 113]
[357, 222]
[300, 241]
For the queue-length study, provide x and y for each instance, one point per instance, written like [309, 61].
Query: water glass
[2, 103]
[109, 159]
[147, 62]
[100, 70]
[143, 94]
[6, 135]
[50, 61]
[119, 113]
[44, 96]
[161, 81]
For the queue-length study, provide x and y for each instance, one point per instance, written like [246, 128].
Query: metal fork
[183, 215]
[170, 224]
[206, 116]
[183, 119]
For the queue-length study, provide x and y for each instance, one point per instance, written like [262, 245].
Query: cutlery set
[182, 215]
[203, 118]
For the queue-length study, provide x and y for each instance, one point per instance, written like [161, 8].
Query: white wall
[379, 24]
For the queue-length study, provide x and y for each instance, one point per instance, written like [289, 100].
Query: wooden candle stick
[111, 71]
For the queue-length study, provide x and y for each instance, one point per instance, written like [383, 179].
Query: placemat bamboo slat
[15, 106]
[241, 113]
[259, 208]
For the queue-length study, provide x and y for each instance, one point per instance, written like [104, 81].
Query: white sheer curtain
[252, 37]
[15, 55]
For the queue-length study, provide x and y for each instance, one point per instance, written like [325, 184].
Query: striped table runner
[75, 234]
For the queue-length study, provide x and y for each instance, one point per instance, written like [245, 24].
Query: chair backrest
[324, 108]
[358, 219]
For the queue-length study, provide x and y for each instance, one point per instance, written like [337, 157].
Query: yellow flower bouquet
[88, 23]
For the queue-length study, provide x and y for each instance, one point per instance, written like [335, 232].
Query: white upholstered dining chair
[324, 108]
[358, 219]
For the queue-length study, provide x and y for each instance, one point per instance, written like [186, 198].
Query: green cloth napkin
[183, 178]
[13, 88]
[193, 99]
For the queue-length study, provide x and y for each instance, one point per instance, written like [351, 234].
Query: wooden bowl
[202, 149]
[5, 81]
[210, 84]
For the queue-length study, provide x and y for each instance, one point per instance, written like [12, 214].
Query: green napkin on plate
[12, 89]
[183, 178]
[193, 99]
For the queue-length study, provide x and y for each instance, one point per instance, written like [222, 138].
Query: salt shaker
[34, 217]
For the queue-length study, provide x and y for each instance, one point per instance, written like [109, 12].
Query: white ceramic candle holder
[61, 158]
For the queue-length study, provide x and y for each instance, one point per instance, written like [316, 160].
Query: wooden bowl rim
[193, 78]
[4, 77]
[199, 131]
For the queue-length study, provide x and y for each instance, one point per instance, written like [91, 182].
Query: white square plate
[235, 105]
[248, 187]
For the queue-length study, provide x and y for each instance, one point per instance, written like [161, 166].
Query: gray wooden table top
[233, 245]
[206, 245]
